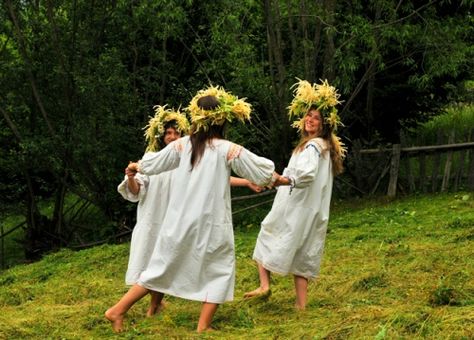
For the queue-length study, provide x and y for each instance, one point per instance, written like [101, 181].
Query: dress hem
[283, 273]
[182, 296]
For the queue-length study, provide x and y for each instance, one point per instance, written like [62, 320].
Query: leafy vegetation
[457, 120]
[398, 269]
[78, 81]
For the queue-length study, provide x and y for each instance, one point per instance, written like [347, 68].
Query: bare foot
[115, 319]
[208, 329]
[300, 308]
[257, 292]
[155, 309]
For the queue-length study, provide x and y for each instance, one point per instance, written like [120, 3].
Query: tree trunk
[330, 50]
[31, 78]
[279, 120]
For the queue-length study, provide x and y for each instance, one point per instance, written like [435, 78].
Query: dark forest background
[79, 78]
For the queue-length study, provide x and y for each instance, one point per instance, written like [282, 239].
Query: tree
[79, 80]
[71, 117]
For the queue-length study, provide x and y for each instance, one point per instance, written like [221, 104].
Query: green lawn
[391, 270]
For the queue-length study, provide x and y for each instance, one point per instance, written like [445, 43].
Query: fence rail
[423, 149]
[411, 164]
[127, 232]
[422, 168]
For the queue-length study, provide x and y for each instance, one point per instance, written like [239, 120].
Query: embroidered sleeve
[154, 163]
[304, 172]
[311, 145]
[234, 151]
[178, 146]
[246, 164]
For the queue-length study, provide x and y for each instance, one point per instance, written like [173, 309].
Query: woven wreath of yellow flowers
[322, 96]
[230, 108]
[156, 125]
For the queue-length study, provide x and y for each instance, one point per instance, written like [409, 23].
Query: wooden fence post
[422, 166]
[470, 182]
[447, 166]
[409, 173]
[459, 172]
[464, 154]
[394, 168]
[470, 169]
[436, 163]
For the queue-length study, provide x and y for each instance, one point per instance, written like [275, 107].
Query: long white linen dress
[292, 235]
[152, 199]
[194, 253]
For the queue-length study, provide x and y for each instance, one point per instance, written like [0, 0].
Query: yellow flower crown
[156, 125]
[230, 107]
[322, 96]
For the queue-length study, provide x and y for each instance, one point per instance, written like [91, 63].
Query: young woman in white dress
[152, 194]
[194, 253]
[292, 235]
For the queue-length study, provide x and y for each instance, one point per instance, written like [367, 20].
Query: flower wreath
[322, 96]
[155, 129]
[230, 107]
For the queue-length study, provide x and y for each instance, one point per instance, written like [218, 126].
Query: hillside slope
[399, 269]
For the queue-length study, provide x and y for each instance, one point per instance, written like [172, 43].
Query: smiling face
[313, 123]
[171, 134]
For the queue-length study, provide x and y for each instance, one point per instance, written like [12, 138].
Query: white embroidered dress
[152, 201]
[292, 235]
[194, 253]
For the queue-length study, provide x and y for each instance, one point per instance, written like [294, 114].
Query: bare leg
[207, 312]
[301, 287]
[156, 304]
[116, 313]
[264, 276]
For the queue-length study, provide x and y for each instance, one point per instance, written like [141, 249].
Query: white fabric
[152, 199]
[292, 235]
[194, 253]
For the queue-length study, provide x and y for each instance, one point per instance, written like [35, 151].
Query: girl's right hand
[131, 169]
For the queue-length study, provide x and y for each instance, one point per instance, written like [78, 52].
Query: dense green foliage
[79, 78]
[399, 269]
[457, 120]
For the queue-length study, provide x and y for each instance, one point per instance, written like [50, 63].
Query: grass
[391, 270]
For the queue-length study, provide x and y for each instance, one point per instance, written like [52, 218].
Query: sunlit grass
[400, 269]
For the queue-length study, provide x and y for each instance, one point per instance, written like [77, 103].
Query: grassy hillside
[401, 269]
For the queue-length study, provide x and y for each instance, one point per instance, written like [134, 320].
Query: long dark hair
[201, 137]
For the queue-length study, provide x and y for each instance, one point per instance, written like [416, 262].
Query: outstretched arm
[242, 182]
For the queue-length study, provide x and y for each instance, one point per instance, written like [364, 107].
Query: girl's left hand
[255, 188]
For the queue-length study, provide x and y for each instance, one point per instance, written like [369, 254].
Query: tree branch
[22, 48]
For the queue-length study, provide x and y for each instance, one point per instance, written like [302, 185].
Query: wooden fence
[399, 168]
[430, 168]
[126, 233]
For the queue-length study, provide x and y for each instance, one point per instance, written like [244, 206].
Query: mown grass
[391, 270]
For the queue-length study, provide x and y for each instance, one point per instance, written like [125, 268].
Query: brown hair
[328, 135]
[200, 138]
